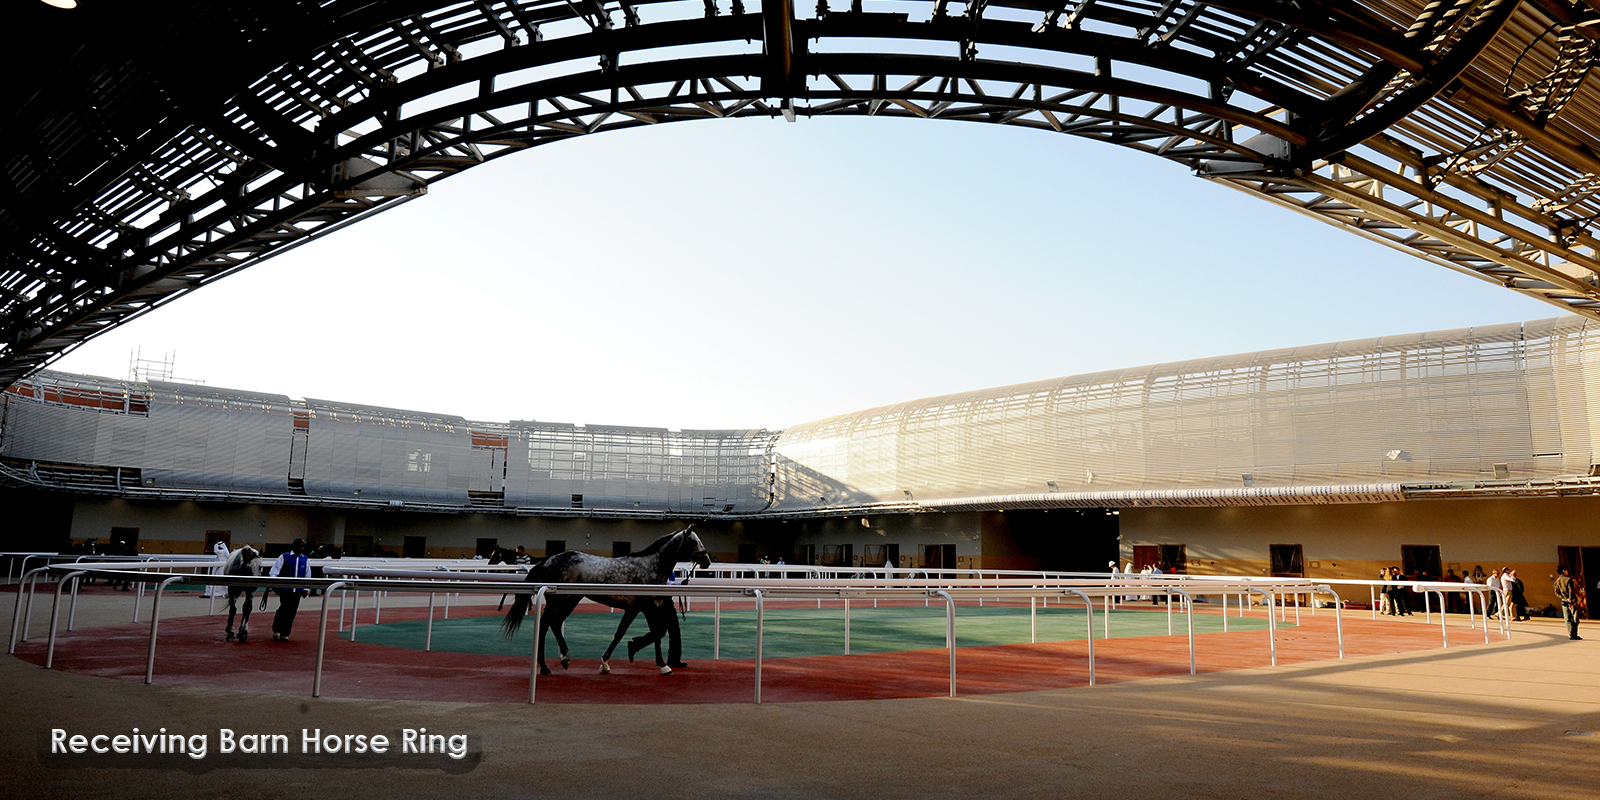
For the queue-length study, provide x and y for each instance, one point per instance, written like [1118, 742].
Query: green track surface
[792, 631]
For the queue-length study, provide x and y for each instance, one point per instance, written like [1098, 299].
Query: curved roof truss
[1462, 131]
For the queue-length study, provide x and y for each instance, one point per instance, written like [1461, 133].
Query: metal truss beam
[1463, 131]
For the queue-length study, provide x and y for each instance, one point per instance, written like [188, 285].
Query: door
[486, 547]
[1421, 558]
[553, 546]
[415, 547]
[1581, 564]
[805, 554]
[1174, 558]
[1287, 561]
[620, 549]
[125, 537]
[1145, 555]
[356, 546]
[212, 537]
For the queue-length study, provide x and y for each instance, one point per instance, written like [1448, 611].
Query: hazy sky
[756, 273]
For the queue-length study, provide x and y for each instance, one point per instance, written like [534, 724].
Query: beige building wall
[1355, 541]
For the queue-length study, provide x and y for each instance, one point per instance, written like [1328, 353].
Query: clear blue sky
[756, 273]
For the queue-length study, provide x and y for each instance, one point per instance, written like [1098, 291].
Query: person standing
[1495, 588]
[292, 564]
[220, 550]
[1567, 593]
[1517, 599]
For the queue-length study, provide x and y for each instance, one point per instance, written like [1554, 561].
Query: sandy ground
[1518, 718]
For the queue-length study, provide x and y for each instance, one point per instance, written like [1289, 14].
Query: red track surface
[191, 651]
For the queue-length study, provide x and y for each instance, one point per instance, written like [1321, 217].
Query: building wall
[1355, 541]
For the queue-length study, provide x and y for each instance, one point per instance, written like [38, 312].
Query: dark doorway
[357, 546]
[877, 555]
[1174, 558]
[127, 537]
[620, 549]
[939, 556]
[486, 547]
[1287, 561]
[838, 555]
[747, 554]
[553, 546]
[415, 547]
[805, 554]
[1583, 564]
[212, 537]
[1421, 558]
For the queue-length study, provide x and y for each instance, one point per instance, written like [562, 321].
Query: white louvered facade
[1361, 421]
[1372, 415]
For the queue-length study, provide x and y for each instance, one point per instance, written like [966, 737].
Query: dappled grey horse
[244, 562]
[652, 565]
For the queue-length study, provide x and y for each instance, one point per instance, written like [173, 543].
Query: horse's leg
[622, 629]
[231, 611]
[561, 642]
[244, 620]
[555, 614]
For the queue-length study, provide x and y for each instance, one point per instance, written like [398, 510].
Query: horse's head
[244, 561]
[690, 548]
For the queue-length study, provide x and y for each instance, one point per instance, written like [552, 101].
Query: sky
[754, 273]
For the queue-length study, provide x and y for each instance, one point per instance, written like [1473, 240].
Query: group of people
[1395, 599]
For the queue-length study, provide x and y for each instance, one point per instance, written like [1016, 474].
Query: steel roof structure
[158, 147]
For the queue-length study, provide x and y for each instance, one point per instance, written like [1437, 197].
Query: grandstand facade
[1216, 464]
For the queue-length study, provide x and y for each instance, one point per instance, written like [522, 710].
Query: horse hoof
[605, 669]
[230, 636]
[544, 670]
[243, 635]
[666, 670]
[564, 661]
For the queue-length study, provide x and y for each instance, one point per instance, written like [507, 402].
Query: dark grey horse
[652, 565]
[244, 562]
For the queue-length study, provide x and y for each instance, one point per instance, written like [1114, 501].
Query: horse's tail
[519, 609]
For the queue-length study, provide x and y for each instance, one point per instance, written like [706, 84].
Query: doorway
[486, 547]
[939, 556]
[1583, 564]
[1287, 561]
[415, 547]
[212, 537]
[1421, 558]
[620, 549]
[805, 554]
[126, 537]
[553, 546]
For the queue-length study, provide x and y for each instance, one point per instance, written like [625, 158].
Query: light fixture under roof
[62, 3]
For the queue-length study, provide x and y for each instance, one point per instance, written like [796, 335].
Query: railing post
[50, 651]
[716, 629]
[847, 626]
[1088, 612]
[322, 634]
[760, 621]
[538, 639]
[427, 642]
[1272, 624]
[1443, 626]
[18, 615]
[72, 608]
[950, 634]
[155, 620]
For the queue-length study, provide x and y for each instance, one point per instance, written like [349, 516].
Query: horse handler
[291, 564]
[1567, 593]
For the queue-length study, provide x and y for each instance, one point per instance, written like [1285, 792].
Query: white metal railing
[1109, 589]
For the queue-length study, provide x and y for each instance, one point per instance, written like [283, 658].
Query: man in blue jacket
[291, 564]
